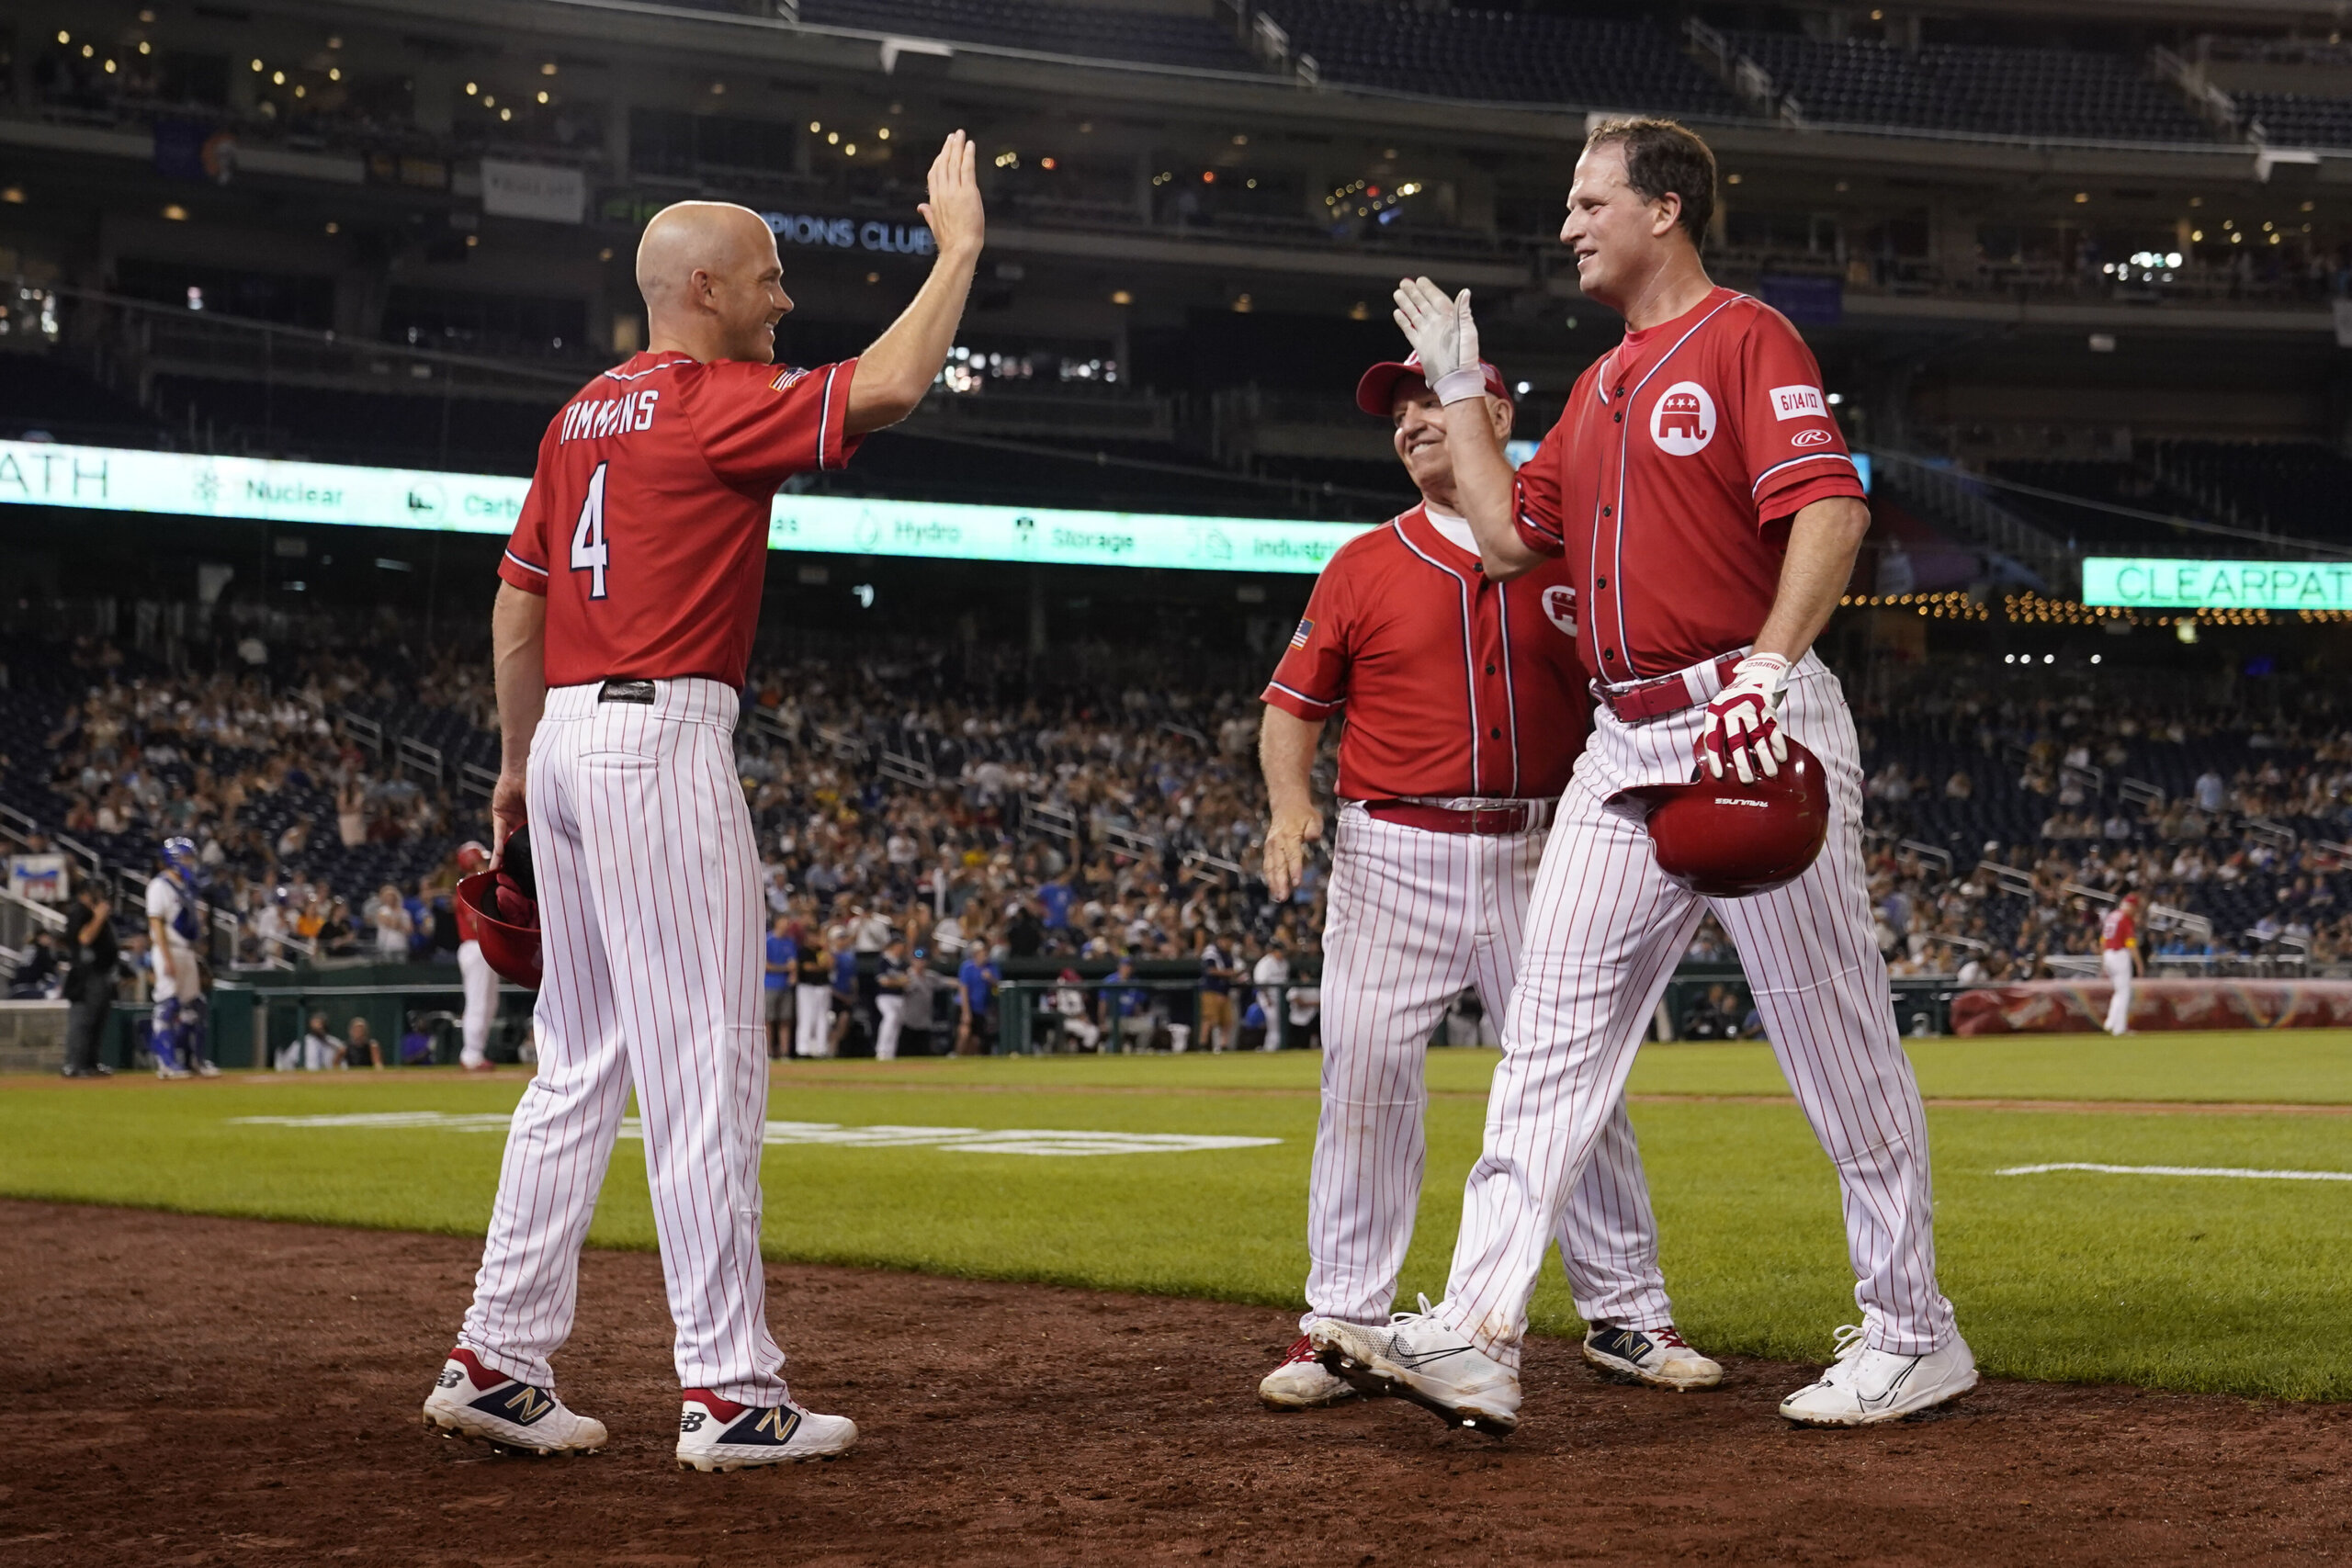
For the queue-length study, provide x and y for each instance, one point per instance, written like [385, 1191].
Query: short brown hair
[1662, 156]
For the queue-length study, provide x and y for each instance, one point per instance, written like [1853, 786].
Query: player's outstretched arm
[1286, 746]
[1445, 334]
[518, 633]
[893, 374]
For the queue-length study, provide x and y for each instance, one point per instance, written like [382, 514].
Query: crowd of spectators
[2229, 819]
[925, 837]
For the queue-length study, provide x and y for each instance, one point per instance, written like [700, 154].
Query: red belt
[1516, 817]
[1647, 700]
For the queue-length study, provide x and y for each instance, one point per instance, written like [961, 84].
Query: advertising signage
[2160, 582]
[108, 479]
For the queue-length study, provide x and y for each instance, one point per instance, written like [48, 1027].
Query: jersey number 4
[589, 553]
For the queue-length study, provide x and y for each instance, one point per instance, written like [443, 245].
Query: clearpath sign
[108, 478]
[2167, 583]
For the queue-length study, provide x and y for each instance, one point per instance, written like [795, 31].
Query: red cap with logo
[1377, 393]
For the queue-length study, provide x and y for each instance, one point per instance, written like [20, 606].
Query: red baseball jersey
[1453, 684]
[2117, 931]
[647, 522]
[1670, 482]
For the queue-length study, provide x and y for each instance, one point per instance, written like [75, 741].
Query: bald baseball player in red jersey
[631, 592]
[1703, 501]
[1465, 708]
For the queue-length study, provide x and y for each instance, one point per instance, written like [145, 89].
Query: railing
[1927, 852]
[849, 747]
[363, 730]
[2168, 918]
[2096, 895]
[80, 851]
[1045, 816]
[1223, 872]
[1128, 841]
[2140, 793]
[2276, 835]
[1954, 498]
[903, 768]
[2008, 879]
[411, 752]
[475, 779]
[2092, 777]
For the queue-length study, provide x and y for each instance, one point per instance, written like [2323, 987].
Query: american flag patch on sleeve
[1305, 629]
[785, 379]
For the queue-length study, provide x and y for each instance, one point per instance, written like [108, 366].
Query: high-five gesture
[954, 212]
[1444, 336]
[893, 374]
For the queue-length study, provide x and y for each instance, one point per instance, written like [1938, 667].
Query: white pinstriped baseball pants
[1414, 917]
[651, 937]
[1604, 932]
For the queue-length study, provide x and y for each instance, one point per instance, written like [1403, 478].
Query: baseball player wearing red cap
[632, 591]
[1464, 711]
[480, 979]
[1703, 499]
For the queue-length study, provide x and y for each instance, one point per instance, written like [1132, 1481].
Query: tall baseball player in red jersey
[1703, 499]
[632, 588]
[1464, 711]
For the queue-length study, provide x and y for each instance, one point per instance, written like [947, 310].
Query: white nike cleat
[719, 1434]
[1863, 1387]
[1302, 1383]
[469, 1400]
[1416, 1357]
[1658, 1356]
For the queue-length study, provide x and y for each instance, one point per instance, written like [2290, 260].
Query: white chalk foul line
[1047, 1141]
[2181, 1170]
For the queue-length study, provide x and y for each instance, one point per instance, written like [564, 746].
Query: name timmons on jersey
[609, 416]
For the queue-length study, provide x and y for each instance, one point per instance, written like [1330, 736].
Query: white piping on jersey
[634, 375]
[1302, 696]
[526, 566]
[1617, 544]
[1510, 695]
[1808, 457]
[1469, 652]
[824, 411]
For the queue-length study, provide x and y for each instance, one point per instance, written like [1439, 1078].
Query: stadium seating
[46, 394]
[2086, 527]
[2295, 120]
[2292, 488]
[1501, 56]
[1145, 36]
[1971, 87]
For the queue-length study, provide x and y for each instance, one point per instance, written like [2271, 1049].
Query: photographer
[91, 961]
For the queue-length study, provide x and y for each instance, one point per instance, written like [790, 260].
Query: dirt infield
[203, 1391]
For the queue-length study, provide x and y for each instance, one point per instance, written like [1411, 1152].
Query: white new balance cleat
[1864, 1386]
[719, 1434]
[469, 1400]
[1416, 1357]
[1302, 1383]
[1658, 1356]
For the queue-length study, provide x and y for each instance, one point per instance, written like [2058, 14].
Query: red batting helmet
[504, 911]
[1723, 838]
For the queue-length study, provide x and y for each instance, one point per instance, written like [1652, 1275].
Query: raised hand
[959, 223]
[1444, 334]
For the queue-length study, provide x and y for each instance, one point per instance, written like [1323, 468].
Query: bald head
[711, 281]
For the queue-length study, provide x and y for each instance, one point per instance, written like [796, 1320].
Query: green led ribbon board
[2158, 582]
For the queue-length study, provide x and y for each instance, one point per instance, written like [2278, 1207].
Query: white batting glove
[1742, 730]
[1445, 335]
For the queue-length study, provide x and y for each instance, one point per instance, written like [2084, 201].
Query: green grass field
[2186, 1283]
